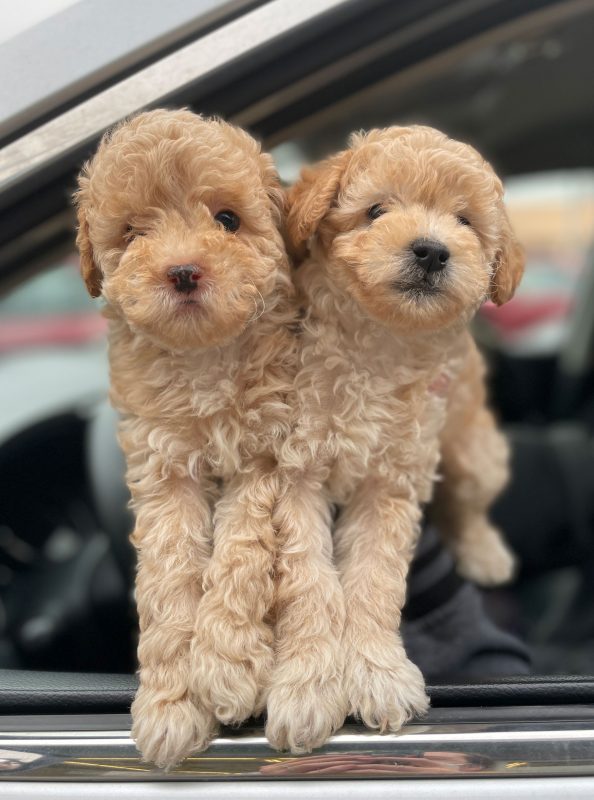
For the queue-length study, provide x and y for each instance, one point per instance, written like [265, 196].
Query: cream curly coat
[390, 382]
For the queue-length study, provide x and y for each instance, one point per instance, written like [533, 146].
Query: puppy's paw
[231, 667]
[233, 690]
[483, 557]
[385, 693]
[166, 731]
[303, 715]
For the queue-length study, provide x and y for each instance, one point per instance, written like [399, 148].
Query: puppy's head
[179, 220]
[411, 224]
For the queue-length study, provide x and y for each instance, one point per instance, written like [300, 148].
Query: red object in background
[522, 313]
[40, 331]
[72, 329]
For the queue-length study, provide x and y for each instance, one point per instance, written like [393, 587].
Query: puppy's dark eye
[376, 211]
[132, 233]
[228, 219]
[463, 220]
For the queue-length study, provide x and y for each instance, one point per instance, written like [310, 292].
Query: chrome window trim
[125, 35]
[197, 60]
[101, 750]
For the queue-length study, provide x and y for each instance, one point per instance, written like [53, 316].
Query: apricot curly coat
[202, 382]
[390, 390]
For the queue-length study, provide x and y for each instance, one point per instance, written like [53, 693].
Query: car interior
[511, 80]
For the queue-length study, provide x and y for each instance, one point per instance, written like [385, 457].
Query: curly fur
[202, 389]
[379, 345]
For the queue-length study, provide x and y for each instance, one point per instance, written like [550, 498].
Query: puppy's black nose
[431, 256]
[184, 277]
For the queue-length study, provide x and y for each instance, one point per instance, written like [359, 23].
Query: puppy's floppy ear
[312, 196]
[89, 270]
[509, 264]
[274, 190]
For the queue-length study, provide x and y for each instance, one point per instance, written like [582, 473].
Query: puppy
[179, 220]
[408, 235]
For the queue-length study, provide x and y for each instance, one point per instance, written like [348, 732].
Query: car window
[520, 93]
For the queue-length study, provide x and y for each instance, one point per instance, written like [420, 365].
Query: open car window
[509, 78]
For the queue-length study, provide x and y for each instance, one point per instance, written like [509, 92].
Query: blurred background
[512, 78]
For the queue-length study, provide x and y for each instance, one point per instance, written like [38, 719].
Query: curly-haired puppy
[179, 221]
[408, 235]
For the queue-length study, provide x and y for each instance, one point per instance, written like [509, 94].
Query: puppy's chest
[386, 420]
[206, 413]
[232, 422]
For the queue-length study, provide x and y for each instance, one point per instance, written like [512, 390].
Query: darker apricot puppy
[179, 221]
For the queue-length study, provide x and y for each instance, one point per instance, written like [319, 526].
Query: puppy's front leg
[374, 542]
[172, 536]
[306, 703]
[232, 646]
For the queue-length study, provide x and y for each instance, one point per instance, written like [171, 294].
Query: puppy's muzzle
[184, 277]
[429, 255]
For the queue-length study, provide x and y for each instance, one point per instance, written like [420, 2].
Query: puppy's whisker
[257, 310]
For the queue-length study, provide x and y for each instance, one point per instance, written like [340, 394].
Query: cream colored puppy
[407, 235]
